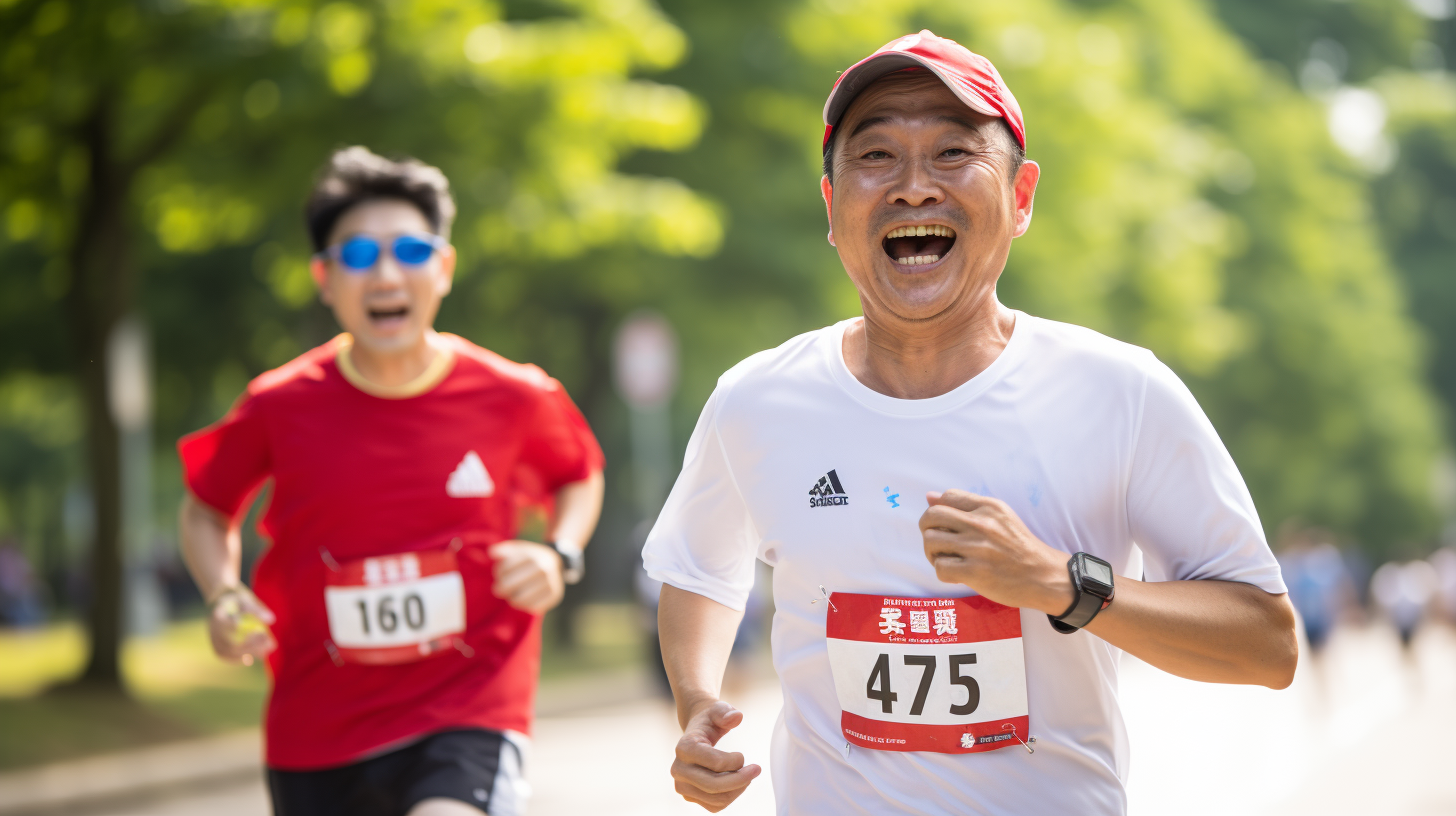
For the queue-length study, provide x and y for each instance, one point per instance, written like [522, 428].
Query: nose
[386, 270]
[916, 185]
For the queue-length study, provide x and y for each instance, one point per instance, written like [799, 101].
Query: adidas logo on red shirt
[470, 479]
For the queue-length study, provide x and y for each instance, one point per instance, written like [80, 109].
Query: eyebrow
[944, 118]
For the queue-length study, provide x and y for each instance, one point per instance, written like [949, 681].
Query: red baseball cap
[971, 77]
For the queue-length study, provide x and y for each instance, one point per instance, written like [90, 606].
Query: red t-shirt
[357, 475]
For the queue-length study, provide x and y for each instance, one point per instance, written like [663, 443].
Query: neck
[926, 358]
[391, 369]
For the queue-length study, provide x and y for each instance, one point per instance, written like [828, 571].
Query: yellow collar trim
[436, 371]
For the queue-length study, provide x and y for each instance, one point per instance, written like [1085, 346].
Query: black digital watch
[1092, 581]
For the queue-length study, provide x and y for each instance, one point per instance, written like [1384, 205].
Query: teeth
[917, 260]
[921, 231]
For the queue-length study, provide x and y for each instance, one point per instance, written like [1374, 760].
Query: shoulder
[485, 367]
[302, 373]
[1080, 353]
[770, 370]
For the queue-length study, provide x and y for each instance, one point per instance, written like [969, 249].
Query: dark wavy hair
[357, 174]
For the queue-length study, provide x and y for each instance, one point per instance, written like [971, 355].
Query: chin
[920, 300]
[388, 342]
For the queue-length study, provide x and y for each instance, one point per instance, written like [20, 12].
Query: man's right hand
[236, 636]
[703, 774]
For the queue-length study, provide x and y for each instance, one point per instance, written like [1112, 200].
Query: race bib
[396, 608]
[928, 674]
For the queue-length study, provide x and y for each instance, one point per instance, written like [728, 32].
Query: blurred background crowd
[1263, 192]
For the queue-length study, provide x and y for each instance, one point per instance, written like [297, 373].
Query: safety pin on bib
[825, 593]
[1012, 728]
[328, 558]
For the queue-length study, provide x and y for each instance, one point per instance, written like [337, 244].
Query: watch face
[1098, 572]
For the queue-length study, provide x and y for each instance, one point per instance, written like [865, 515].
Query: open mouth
[388, 315]
[920, 244]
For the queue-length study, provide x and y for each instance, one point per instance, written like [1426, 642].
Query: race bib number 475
[928, 674]
[395, 608]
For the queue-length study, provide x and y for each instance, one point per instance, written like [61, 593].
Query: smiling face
[388, 307]
[922, 207]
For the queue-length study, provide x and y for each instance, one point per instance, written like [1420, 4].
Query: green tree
[1191, 201]
[153, 158]
[1398, 51]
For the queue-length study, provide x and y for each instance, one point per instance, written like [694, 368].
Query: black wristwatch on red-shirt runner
[573, 561]
[1092, 581]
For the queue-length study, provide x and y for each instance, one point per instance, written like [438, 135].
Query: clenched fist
[980, 542]
[527, 576]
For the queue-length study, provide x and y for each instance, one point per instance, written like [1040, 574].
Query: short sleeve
[559, 447]
[1189, 510]
[704, 540]
[224, 463]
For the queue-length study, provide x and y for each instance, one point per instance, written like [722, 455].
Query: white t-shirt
[1094, 443]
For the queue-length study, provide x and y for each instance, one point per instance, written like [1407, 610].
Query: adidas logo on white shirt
[827, 491]
[470, 479]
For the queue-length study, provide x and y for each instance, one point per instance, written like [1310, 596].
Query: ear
[826, 189]
[446, 278]
[1024, 188]
[319, 271]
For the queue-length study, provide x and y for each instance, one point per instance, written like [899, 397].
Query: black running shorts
[478, 767]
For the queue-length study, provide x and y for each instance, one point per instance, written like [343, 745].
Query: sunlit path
[1360, 732]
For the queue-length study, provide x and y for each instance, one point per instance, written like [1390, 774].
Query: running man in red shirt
[403, 618]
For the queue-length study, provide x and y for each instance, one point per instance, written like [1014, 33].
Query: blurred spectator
[20, 592]
[1444, 562]
[1319, 585]
[1403, 592]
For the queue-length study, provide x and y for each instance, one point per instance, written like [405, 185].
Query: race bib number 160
[928, 674]
[396, 608]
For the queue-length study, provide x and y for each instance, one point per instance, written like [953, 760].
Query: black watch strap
[573, 563]
[1083, 610]
[1087, 603]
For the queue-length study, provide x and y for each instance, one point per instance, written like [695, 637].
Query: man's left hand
[981, 542]
[527, 576]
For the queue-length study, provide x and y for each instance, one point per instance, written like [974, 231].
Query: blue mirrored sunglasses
[361, 253]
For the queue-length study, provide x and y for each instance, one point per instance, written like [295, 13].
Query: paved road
[1363, 730]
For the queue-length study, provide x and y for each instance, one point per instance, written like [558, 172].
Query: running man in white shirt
[981, 485]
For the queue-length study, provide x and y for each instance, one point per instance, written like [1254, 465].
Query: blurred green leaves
[1191, 201]
[609, 154]
[195, 129]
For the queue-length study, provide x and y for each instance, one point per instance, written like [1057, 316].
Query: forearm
[212, 546]
[697, 636]
[578, 507]
[1211, 631]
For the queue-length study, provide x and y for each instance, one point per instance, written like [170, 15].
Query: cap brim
[860, 76]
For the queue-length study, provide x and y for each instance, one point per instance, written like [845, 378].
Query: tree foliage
[1392, 50]
[154, 156]
[1191, 201]
[157, 154]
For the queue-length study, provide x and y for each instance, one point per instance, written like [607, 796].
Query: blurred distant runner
[948, 491]
[405, 620]
[1403, 592]
[1319, 585]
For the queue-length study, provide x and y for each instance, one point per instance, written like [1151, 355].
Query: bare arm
[1213, 631]
[697, 637]
[212, 547]
[528, 575]
[578, 507]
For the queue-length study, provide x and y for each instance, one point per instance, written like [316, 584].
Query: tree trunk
[100, 294]
[597, 384]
